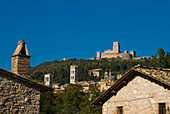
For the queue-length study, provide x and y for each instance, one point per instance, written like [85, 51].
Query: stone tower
[73, 74]
[133, 53]
[48, 80]
[98, 55]
[116, 47]
[21, 60]
[106, 77]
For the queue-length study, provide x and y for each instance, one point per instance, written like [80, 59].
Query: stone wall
[139, 96]
[108, 51]
[21, 65]
[17, 97]
[115, 55]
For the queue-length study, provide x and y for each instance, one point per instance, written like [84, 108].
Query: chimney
[20, 60]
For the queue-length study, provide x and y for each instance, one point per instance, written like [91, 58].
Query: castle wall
[98, 55]
[115, 55]
[17, 97]
[108, 51]
[139, 96]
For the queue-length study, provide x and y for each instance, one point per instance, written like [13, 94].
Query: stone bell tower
[73, 74]
[106, 77]
[48, 80]
[21, 60]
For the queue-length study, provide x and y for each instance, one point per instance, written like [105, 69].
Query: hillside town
[143, 89]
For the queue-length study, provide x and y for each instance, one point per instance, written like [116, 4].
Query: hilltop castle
[116, 53]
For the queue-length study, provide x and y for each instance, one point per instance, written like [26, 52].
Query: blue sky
[54, 29]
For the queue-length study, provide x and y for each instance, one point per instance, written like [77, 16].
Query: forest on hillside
[72, 101]
[61, 69]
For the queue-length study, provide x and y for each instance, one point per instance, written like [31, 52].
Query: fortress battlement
[116, 53]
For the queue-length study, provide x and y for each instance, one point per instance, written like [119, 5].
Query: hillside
[61, 69]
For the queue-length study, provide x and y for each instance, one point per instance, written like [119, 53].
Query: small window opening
[120, 110]
[162, 108]
[23, 52]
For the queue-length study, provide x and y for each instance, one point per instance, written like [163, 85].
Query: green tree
[73, 96]
[155, 60]
[46, 103]
[161, 60]
[167, 59]
[85, 105]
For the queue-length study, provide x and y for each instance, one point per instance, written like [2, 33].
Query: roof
[95, 69]
[34, 84]
[83, 83]
[159, 74]
[111, 77]
[21, 48]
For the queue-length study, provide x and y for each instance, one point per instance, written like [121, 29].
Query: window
[120, 110]
[162, 109]
[47, 79]
[73, 72]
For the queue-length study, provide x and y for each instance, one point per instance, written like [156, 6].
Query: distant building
[96, 72]
[116, 53]
[64, 59]
[119, 76]
[56, 87]
[86, 85]
[62, 87]
[48, 80]
[107, 82]
[144, 90]
[146, 57]
[73, 74]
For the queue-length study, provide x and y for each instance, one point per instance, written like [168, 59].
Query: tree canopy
[72, 101]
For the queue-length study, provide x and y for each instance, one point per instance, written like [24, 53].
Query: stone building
[48, 80]
[108, 81]
[116, 53]
[96, 72]
[86, 85]
[64, 59]
[73, 74]
[142, 90]
[19, 94]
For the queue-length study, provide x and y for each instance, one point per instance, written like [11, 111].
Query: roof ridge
[27, 80]
[151, 67]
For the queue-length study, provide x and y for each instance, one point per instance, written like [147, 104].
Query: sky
[54, 29]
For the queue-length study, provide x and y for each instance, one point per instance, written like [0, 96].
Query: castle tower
[106, 77]
[73, 74]
[133, 53]
[20, 60]
[98, 55]
[48, 80]
[116, 47]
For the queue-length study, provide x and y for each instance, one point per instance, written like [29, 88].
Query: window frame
[118, 108]
[160, 109]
